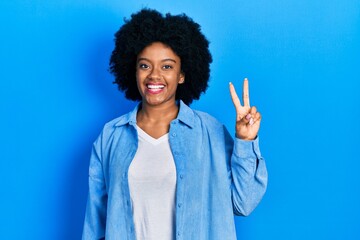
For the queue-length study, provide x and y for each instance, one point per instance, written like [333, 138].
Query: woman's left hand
[247, 118]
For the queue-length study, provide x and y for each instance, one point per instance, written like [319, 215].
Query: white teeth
[155, 86]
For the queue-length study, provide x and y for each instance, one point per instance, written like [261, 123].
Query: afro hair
[180, 33]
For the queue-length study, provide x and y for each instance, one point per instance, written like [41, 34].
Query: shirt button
[179, 205]
[174, 134]
[181, 176]
[178, 234]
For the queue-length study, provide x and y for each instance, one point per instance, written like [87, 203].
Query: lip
[155, 88]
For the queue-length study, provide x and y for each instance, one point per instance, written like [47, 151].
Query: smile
[155, 88]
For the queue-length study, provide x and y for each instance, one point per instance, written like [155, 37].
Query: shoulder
[116, 122]
[207, 119]
[193, 117]
[216, 131]
[115, 126]
[122, 121]
[211, 125]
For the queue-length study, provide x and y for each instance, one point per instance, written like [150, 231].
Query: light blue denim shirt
[216, 178]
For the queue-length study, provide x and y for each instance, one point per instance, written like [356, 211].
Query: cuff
[247, 148]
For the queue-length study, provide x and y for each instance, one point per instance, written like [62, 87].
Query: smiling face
[158, 73]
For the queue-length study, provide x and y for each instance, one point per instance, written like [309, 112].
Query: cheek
[138, 80]
[140, 75]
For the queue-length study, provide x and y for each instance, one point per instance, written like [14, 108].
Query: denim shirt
[216, 177]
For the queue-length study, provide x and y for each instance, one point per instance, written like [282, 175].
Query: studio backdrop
[302, 59]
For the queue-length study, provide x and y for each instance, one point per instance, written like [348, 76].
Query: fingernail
[248, 116]
[251, 121]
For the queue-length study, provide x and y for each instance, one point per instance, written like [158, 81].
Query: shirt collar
[185, 115]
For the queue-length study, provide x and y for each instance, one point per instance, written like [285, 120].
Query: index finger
[246, 98]
[234, 96]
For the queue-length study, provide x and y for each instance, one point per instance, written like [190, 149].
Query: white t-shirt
[152, 183]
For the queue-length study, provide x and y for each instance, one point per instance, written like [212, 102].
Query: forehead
[158, 50]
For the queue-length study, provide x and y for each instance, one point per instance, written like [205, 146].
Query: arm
[95, 216]
[248, 169]
[249, 176]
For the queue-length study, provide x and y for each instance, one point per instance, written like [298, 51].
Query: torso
[152, 183]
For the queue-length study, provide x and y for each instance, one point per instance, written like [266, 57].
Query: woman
[165, 171]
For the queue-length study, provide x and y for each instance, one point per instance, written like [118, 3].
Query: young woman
[165, 171]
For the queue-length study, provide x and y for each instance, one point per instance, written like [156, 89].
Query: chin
[158, 101]
[152, 101]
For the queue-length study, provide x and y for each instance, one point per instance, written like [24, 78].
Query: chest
[153, 167]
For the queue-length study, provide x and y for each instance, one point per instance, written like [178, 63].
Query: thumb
[247, 119]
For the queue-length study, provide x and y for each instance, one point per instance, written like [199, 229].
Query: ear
[182, 78]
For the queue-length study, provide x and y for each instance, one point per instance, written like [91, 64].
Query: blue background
[302, 59]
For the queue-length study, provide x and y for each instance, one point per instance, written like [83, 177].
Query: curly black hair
[180, 33]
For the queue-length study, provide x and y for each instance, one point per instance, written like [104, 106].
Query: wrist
[245, 138]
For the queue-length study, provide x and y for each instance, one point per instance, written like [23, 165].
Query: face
[158, 73]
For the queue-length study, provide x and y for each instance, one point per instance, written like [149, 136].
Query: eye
[143, 66]
[167, 67]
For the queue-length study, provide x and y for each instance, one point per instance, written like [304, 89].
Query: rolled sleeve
[247, 149]
[249, 176]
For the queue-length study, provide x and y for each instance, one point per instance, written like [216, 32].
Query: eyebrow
[163, 60]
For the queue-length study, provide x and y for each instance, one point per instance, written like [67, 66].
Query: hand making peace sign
[247, 118]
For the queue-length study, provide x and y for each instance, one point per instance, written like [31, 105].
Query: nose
[154, 74]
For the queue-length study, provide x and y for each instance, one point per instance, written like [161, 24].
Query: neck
[156, 114]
